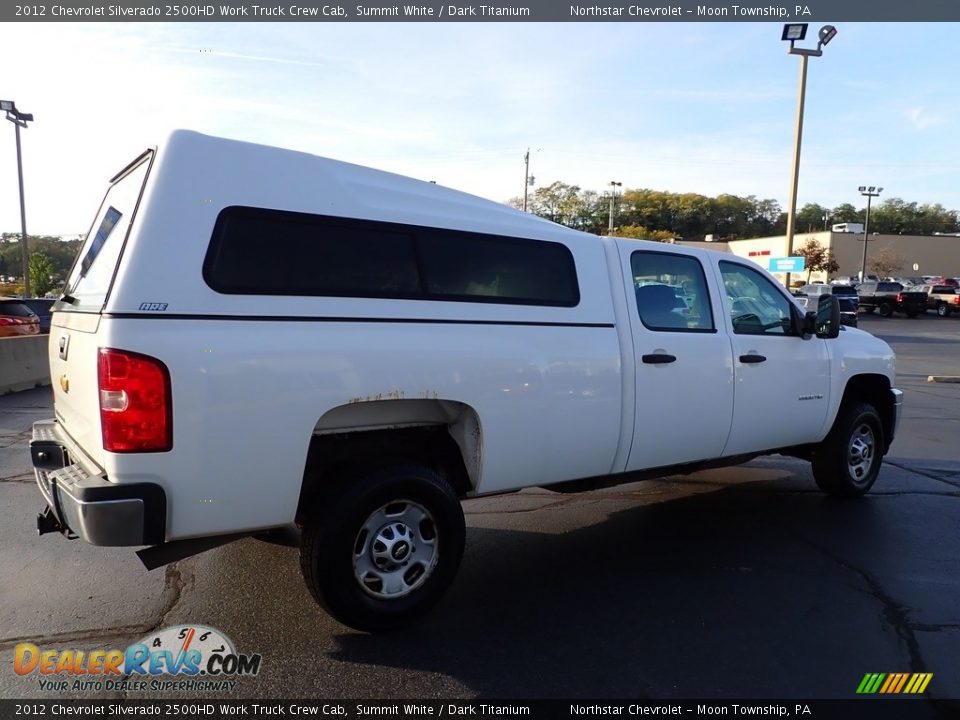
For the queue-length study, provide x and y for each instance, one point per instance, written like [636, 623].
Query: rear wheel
[886, 309]
[847, 462]
[383, 550]
[942, 309]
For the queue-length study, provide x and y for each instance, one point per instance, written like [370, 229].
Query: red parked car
[17, 319]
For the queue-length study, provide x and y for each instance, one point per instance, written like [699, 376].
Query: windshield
[92, 273]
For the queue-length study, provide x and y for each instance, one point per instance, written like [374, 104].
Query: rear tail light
[900, 297]
[956, 300]
[135, 402]
[10, 321]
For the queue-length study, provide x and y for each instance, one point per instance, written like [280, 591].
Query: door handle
[753, 358]
[658, 359]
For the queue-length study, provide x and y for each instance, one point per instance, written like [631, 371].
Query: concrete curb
[944, 378]
[23, 363]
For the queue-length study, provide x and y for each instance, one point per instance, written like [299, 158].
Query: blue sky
[684, 107]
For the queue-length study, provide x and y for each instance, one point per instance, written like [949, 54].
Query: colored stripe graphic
[903, 680]
[894, 683]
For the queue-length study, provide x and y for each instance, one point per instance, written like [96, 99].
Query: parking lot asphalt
[736, 583]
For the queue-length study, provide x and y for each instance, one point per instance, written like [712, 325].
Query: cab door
[684, 366]
[782, 380]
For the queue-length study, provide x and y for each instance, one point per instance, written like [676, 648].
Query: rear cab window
[671, 292]
[93, 271]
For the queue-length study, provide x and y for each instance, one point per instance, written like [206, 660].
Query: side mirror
[827, 322]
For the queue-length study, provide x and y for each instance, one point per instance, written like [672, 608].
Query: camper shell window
[255, 251]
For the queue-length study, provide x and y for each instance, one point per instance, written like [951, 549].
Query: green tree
[639, 232]
[845, 213]
[810, 218]
[60, 252]
[41, 274]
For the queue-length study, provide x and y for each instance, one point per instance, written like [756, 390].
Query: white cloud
[922, 120]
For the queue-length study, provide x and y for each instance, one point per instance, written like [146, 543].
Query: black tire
[847, 462]
[886, 309]
[386, 498]
[943, 310]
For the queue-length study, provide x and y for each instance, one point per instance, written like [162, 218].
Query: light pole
[613, 194]
[527, 178]
[792, 33]
[870, 193]
[20, 120]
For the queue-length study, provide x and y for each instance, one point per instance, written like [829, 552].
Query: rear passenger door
[684, 367]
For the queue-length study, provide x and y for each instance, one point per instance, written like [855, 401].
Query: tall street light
[20, 120]
[792, 33]
[527, 178]
[613, 195]
[870, 193]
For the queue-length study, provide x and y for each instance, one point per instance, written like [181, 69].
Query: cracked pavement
[736, 583]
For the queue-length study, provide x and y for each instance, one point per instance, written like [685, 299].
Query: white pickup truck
[254, 339]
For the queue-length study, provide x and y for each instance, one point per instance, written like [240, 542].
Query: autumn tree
[885, 263]
[817, 258]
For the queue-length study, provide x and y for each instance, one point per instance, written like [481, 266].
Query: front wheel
[847, 462]
[382, 551]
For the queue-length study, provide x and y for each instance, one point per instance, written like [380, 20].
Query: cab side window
[671, 292]
[755, 304]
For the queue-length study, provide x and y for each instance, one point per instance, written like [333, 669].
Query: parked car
[890, 297]
[849, 307]
[16, 318]
[42, 308]
[846, 293]
[814, 289]
[849, 310]
[942, 298]
[940, 280]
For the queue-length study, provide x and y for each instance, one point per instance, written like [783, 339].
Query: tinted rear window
[15, 309]
[92, 274]
[41, 306]
[269, 252]
[843, 290]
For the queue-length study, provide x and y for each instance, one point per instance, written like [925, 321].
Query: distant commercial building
[916, 254]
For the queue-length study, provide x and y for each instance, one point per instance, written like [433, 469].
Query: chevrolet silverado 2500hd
[254, 339]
